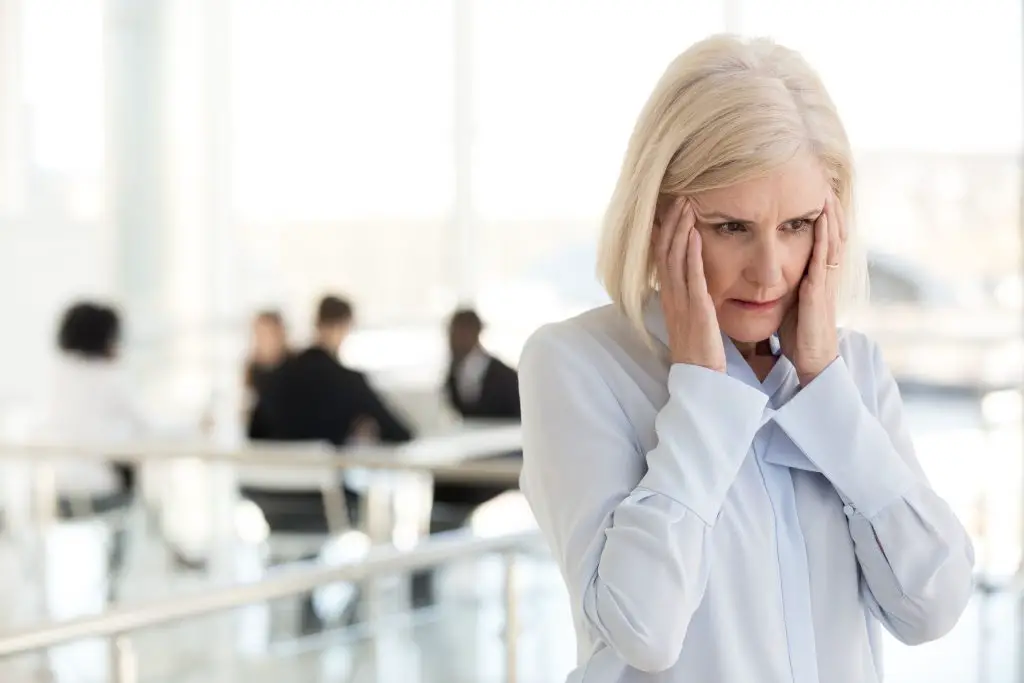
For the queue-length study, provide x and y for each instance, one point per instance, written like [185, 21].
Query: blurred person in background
[478, 384]
[268, 350]
[711, 446]
[479, 387]
[89, 401]
[312, 396]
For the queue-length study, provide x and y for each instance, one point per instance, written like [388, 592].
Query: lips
[756, 305]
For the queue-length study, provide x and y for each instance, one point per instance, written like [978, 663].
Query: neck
[751, 349]
[463, 356]
[328, 345]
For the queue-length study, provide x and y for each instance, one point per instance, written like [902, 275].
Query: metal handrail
[285, 583]
[456, 464]
[451, 457]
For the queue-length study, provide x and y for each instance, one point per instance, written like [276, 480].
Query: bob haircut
[726, 110]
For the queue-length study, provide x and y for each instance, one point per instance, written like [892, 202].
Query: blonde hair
[726, 110]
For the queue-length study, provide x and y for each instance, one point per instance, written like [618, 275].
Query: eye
[799, 225]
[731, 228]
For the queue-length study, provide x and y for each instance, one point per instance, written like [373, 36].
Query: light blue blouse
[712, 528]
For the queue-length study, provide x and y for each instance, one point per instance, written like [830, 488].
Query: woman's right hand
[690, 318]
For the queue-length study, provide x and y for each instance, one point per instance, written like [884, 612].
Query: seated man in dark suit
[478, 386]
[313, 397]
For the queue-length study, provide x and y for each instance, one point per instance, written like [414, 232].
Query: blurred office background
[198, 160]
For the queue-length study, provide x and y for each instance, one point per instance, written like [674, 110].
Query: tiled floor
[461, 640]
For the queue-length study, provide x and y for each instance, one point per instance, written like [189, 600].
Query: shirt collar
[736, 366]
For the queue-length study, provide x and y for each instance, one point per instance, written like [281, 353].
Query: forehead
[790, 190]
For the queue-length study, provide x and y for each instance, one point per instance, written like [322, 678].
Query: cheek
[722, 266]
[797, 257]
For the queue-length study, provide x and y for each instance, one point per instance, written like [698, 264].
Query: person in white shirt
[726, 478]
[90, 401]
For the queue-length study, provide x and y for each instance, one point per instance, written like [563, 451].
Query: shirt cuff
[828, 421]
[704, 433]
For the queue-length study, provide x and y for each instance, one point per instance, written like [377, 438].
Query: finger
[834, 241]
[837, 244]
[665, 226]
[696, 283]
[664, 231]
[659, 261]
[819, 254]
[840, 215]
[677, 252]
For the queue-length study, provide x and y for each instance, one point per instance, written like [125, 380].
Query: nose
[764, 268]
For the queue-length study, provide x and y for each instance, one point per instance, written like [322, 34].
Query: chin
[750, 331]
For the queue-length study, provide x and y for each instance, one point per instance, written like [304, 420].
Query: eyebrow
[718, 217]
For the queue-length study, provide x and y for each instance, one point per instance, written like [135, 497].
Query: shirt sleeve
[629, 529]
[916, 558]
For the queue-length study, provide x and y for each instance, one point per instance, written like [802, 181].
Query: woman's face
[757, 239]
[268, 341]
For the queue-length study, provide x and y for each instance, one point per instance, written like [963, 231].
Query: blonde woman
[725, 477]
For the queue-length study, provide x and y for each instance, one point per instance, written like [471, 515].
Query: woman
[90, 402]
[269, 350]
[726, 478]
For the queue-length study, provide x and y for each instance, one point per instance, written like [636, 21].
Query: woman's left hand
[808, 334]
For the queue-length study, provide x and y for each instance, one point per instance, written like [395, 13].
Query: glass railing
[137, 639]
